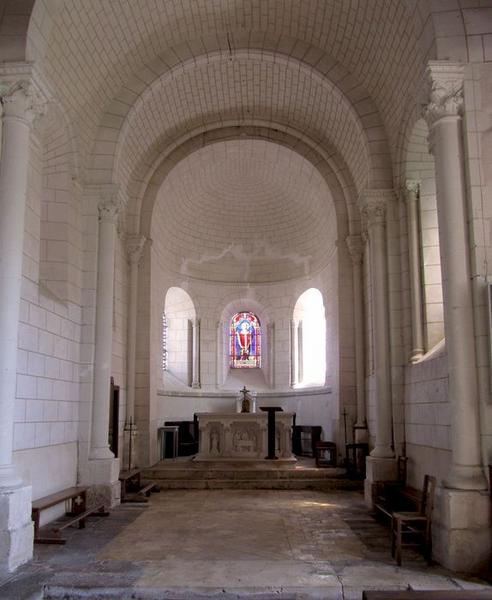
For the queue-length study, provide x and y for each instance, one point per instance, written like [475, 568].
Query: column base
[195, 385]
[16, 528]
[378, 469]
[383, 452]
[461, 530]
[102, 475]
[465, 478]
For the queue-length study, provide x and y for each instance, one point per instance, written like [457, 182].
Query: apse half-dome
[244, 211]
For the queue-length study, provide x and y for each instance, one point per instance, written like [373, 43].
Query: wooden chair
[414, 528]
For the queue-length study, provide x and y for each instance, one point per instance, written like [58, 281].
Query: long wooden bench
[78, 512]
[132, 487]
[428, 595]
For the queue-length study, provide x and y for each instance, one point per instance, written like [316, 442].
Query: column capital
[355, 247]
[21, 95]
[135, 244]
[411, 189]
[373, 205]
[105, 198]
[444, 91]
[108, 211]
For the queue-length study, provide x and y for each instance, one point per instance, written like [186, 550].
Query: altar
[243, 436]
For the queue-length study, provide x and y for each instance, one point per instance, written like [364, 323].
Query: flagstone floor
[228, 544]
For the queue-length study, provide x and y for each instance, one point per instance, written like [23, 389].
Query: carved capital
[108, 211]
[444, 87]
[355, 248]
[22, 99]
[134, 246]
[411, 190]
[373, 205]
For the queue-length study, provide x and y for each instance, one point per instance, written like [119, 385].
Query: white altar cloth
[239, 436]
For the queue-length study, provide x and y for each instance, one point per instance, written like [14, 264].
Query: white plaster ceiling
[244, 210]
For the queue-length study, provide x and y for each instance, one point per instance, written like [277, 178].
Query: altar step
[204, 477]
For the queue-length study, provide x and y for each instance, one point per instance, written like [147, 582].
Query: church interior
[238, 228]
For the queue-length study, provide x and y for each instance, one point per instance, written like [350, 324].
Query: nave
[226, 544]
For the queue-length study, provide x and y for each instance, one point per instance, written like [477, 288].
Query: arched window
[164, 341]
[309, 340]
[245, 341]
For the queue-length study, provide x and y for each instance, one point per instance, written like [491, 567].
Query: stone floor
[228, 544]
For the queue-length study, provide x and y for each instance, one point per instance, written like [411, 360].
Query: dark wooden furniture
[187, 436]
[355, 456]
[428, 595]
[271, 410]
[326, 454]
[114, 418]
[77, 496]
[132, 487]
[394, 495]
[413, 528]
[304, 439]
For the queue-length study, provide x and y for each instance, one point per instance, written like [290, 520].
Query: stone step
[260, 484]
[159, 474]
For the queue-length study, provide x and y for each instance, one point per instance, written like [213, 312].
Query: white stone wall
[427, 418]
[47, 403]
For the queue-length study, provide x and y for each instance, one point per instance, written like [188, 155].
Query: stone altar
[243, 436]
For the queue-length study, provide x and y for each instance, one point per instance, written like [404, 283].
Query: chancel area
[239, 232]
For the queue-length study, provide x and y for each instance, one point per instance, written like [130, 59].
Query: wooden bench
[132, 488]
[78, 511]
[428, 595]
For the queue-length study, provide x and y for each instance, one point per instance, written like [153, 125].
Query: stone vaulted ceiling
[100, 54]
[224, 214]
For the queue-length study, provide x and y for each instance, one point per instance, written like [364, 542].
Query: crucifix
[246, 401]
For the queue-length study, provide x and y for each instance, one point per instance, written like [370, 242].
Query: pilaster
[356, 249]
[22, 100]
[411, 193]
[463, 515]
[373, 207]
[102, 468]
[134, 246]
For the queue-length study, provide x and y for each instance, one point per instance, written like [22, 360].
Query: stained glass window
[245, 341]
[164, 342]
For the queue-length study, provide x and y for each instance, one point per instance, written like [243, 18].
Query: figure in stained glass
[245, 340]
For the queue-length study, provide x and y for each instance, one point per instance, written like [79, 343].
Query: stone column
[300, 355]
[20, 101]
[293, 353]
[103, 466]
[135, 245]
[374, 212]
[271, 353]
[463, 524]
[411, 192]
[221, 356]
[354, 245]
[195, 380]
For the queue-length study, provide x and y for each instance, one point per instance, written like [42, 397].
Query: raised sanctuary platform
[243, 437]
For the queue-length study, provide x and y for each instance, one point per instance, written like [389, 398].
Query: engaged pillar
[381, 464]
[412, 200]
[103, 466]
[464, 535]
[195, 381]
[20, 99]
[374, 204]
[135, 246]
[354, 245]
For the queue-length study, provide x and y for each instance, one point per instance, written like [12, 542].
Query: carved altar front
[243, 436]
